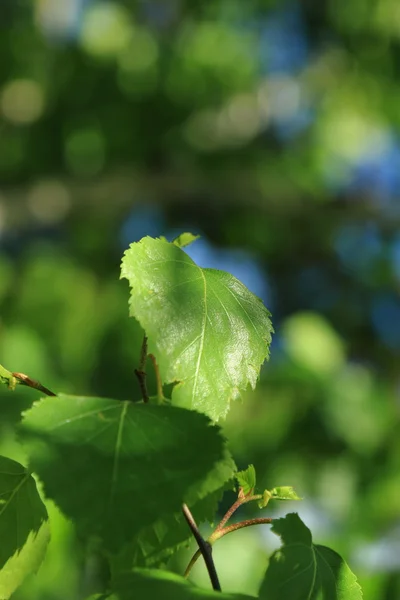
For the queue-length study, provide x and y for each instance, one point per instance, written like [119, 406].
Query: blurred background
[271, 128]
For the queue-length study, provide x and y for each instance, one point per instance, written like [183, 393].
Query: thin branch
[140, 372]
[241, 500]
[204, 547]
[220, 530]
[192, 562]
[25, 380]
[247, 523]
[160, 393]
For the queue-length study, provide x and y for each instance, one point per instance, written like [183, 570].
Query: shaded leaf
[152, 583]
[155, 544]
[301, 569]
[117, 467]
[209, 332]
[21, 509]
[24, 562]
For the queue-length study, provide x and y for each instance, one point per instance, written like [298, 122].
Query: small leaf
[210, 334]
[285, 492]
[21, 509]
[266, 497]
[184, 239]
[247, 480]
[7, 377]
[301, 569]
[117, 467]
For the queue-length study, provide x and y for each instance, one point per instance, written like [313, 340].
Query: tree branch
[141, 371]
[25, 380]
[204, 547]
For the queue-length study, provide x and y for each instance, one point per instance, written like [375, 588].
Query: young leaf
[7, 377]
[21, 509]
[184, 239]
[247, 480]
[284, 492]
[117, 467]
[209, 332]
[152, 583]
[301, 569]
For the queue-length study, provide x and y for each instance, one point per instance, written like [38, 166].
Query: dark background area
[270, 128]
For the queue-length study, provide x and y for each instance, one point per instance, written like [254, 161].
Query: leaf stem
[25, 380]
[140, 372]
[204, 548]
[160, 393]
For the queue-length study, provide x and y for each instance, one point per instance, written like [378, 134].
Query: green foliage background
[135, 118]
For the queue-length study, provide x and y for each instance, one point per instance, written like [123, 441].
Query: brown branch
[241, 500]
[25, 380]
[204, 547]
[236, 526]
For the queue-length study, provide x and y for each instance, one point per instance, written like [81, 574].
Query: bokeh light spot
[22, 101]
[49, 201]
[106, 30]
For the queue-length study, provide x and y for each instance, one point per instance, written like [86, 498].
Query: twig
[247, 523]
[160, 393]
[141, 371]
[25, 380]
[241, 500]
[204, 547]
[220, 530]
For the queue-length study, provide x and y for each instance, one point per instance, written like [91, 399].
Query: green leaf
[208, 331]
[117, 467]
[184, 239]
[152, 583]
[25, 562]
[301, 569]
[156, 543]
[247, 480]
[21, 509]
[284, 492]
[7, 377]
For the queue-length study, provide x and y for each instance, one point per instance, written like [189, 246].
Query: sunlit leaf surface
[209, 332]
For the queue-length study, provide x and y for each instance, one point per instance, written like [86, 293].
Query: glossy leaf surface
[210, 334]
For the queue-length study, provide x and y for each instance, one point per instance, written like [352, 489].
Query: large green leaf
[21, 509]
[301, 569]
[156, 543]
[152, 583]
[209, 332]
[117, 467]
